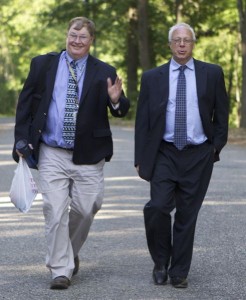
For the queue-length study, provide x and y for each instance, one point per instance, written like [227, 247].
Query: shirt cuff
[115, 106]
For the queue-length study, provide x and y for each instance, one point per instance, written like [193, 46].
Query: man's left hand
[114, 90]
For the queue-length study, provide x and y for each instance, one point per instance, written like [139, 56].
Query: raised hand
[114, 90]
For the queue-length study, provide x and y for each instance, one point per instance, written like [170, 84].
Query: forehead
[81, 31]
[182, 32]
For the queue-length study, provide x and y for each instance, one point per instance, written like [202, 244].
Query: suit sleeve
[142, 120]
[24, 106]
[122, 108]
[124, 103]
[221, 113]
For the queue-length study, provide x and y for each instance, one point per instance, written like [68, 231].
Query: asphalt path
[115, 263]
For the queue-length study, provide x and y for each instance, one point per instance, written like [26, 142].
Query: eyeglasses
[178, 41]
[82, 38]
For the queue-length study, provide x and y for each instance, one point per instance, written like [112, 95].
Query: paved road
[115, 263]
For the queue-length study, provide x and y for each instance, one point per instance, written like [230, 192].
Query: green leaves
[124, 38]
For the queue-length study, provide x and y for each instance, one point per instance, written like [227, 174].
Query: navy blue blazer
[151, 111]
[93, 137]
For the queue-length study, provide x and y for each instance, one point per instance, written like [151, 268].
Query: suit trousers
[72, 195]
[180, 181]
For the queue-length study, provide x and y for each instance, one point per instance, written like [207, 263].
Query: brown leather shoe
[60, 283]
[76, 265]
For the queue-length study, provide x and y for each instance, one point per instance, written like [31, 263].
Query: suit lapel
[159, 87]
[164, 82]
[51, 76]
[91, 69]
[201, 78]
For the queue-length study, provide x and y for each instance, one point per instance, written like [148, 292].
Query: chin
[77, 55]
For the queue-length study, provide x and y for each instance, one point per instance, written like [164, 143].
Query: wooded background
[132, 35]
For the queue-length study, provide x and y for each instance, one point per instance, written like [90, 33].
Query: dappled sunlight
[8, 163]
[119, 140]
[197, 249]
[115, 233]
[120, 187]
[123, 178]
[240, 161]
[113, 214]
[227, 203]
[22, 268]
[12, 218]
[6, 146]
[20, 232]
[6, 202]
[9, 218]
[133, 253]
[121, 205]
[6, 152]
[116, 248]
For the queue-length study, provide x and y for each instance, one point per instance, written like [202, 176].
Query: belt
[188, 146]
[62, 148]
[67, 149]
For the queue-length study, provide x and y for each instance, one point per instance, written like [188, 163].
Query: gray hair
[181, 25]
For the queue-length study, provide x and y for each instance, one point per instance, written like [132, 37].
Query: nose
[77, 40]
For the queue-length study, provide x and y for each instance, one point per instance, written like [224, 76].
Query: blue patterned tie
[69, 122]
[180, 128]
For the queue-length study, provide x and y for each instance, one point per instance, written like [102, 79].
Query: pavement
[115, 263]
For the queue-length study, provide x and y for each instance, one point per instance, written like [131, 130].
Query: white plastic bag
[23, 189]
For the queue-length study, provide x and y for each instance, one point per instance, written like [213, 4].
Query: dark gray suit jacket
[93, 138]
[151, 111]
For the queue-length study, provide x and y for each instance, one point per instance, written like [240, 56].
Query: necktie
[69, 122]
[180, 127]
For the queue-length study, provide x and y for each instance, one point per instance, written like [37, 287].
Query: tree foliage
[241, 4]
[131, 35]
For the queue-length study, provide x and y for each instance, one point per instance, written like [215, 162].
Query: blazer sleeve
[221, 113]
[24, 105]
[141, 121]
[30, 97]
[124, 103]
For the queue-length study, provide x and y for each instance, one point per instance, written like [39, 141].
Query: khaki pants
[72, 195]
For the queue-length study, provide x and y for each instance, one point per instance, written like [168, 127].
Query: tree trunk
[132, 59]
[143, 36]
[242, 17]
[179, 8]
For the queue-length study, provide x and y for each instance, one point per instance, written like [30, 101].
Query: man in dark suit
[62, 114]
[181, 127]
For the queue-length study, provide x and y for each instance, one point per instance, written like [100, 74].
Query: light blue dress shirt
[195, 132]
[52, 135]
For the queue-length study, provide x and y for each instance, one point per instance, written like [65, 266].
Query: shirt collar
[79, 62]
[174, 65]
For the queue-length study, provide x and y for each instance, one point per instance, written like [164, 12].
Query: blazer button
[119, 112]
[40, 131]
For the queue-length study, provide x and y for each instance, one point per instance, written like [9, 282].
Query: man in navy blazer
[178, 178]
[70, 155]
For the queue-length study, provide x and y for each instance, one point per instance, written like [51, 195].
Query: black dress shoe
[60, 283]
[179, 282]
[159, 275]
[76, 265]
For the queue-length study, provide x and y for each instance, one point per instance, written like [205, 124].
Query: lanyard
[71, 70]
